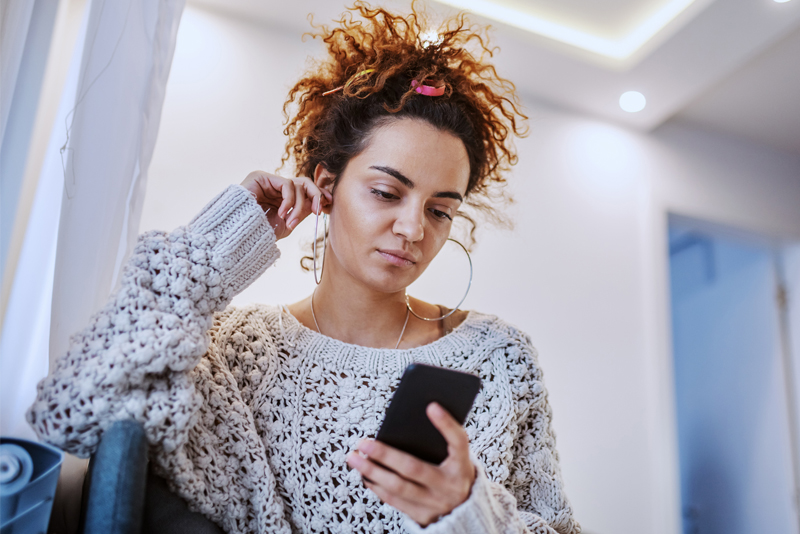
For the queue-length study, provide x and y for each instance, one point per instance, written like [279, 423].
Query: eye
[383, 195]
[440, 214]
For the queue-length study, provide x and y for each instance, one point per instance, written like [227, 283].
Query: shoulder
[486, 326]
[496, 334]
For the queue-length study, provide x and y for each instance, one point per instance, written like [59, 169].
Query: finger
[391, 482]
[328, 195]
[313, 197]
[317, 195]
[288, 193]
[325, 193]
[311, 193]
[421, 513]
[453, 432]
[406, 465]
[300, 208]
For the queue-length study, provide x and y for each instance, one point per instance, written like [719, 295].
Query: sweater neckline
[440, 352]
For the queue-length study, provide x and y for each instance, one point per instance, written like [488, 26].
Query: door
[735, 398]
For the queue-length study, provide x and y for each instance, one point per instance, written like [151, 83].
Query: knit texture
[250, 414]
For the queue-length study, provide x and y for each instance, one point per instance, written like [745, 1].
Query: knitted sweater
[250, 414]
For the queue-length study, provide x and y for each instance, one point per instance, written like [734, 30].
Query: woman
[254, 415]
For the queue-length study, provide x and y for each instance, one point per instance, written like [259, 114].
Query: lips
[398, 257]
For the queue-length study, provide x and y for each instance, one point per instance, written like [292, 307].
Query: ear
[324, 180]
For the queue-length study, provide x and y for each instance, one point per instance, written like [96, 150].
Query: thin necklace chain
[314, 315]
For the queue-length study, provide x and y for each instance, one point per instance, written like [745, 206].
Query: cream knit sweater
[249, 414]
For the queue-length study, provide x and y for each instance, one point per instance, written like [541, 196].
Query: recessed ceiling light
[780, 1]
[619, 49]
[632, 101]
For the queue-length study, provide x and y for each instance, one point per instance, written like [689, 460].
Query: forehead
[430, 157]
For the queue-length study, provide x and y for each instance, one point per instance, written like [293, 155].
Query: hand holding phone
[406, 425]
[416, 486]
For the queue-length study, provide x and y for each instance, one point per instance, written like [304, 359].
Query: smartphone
[406, 425]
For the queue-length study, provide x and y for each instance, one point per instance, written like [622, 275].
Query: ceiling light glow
[780, 1]
[632, 101]
[619, 49]
[430, 38]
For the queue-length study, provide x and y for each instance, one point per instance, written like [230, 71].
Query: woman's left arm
[456, 496]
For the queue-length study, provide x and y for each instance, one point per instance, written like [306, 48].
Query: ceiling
[760, 100]
[726, 65]
[608, 18]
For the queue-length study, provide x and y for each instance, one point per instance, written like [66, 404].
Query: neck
[352, 312]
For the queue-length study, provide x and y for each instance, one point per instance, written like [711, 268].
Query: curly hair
[374, 60]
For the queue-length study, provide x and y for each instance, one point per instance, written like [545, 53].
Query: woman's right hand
[286, 201]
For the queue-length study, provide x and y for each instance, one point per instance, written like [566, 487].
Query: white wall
[584, 272]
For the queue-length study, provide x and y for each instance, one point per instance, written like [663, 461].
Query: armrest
[115, 482]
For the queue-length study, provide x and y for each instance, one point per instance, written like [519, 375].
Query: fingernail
[354, 460]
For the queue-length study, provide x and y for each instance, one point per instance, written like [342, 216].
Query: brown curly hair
[373, 58]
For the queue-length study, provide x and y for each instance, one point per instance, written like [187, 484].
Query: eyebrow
[408, 183]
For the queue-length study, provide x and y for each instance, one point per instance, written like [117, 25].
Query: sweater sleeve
[135, 357]
[533, 500]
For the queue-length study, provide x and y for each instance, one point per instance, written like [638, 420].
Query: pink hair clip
[427, 90]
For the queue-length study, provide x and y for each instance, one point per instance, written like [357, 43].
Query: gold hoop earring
[469, 285]
[318, 279]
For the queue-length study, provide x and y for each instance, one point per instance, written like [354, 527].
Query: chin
[389, 280]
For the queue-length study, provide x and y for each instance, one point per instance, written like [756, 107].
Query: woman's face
[394, 204]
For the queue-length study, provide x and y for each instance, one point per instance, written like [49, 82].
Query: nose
[410, 223]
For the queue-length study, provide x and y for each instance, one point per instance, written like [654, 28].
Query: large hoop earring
[318, 279]
[469, 285]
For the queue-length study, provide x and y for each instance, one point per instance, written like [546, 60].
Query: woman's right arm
[135, 357]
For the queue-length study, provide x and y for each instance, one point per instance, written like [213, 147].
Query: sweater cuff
[475, 515]
[241, 238]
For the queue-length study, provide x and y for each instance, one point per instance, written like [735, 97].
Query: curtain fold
[15, 18]
[24, 346]
[126, 61]
[88, 203]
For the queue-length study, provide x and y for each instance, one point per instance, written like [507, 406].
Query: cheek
[354, 222]
[363, 216]
[434, 245]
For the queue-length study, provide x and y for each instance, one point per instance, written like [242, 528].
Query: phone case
[406, 425]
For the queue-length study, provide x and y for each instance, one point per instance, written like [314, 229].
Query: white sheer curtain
[26, 327]
[15, 17]
[90, 193]
[129, 48]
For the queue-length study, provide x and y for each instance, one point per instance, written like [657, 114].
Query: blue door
[733, 395]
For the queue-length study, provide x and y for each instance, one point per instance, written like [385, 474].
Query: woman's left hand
[421, 490]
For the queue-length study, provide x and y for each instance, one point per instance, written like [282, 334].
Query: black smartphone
[406, 425]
